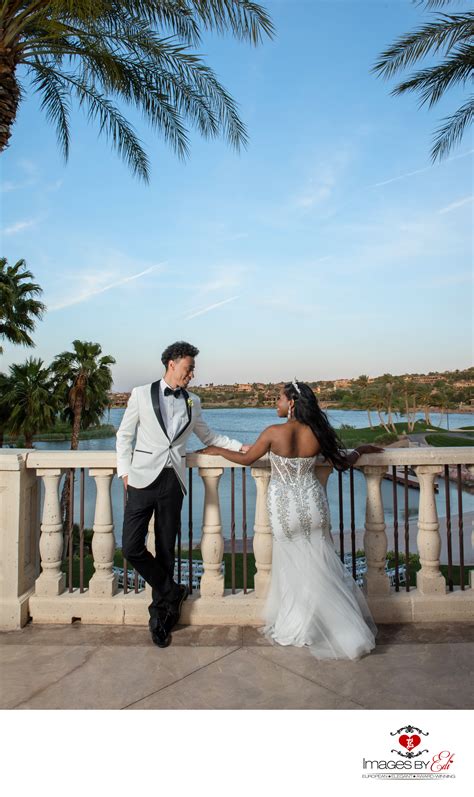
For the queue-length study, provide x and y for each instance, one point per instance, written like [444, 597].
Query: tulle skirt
[313, 601]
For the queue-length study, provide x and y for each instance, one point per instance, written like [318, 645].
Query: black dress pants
[164, 497]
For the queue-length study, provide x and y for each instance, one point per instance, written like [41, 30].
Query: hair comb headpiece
[295, 385]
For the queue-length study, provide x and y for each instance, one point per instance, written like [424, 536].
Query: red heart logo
[409, 742]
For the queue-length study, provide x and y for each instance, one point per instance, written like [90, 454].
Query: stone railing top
[13, 458]
[107, 459]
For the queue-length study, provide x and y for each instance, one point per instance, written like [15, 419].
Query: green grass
[414, 566]
[442, 440]
[196, 554]
[352, 437]
[61, 432]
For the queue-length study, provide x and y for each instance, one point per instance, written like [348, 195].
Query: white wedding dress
[312, 600]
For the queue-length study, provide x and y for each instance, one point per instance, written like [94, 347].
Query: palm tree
[365, 399]
[424, 400]
[133, 52]
[388, 385]
[409, 413]
[4, 409]
[19, 308]
[452, 35]
[29, 394]
[83, 379]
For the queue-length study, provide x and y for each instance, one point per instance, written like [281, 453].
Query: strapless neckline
[272, 453]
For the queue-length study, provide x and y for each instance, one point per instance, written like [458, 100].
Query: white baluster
[429, 579]
[376, 580]
[262, 541]
[212, 541]
[103, 582]
[51, 581]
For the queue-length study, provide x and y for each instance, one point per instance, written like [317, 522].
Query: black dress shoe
[172, 616]
[177, 607]
[160, 635]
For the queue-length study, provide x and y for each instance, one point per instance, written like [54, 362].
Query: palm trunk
[9, 96]
[28, 440]
[390, 419]
[370, 419]
[427, 415]
[407, 413]
[382, 422]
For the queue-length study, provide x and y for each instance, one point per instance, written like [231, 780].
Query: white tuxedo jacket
[143, 422]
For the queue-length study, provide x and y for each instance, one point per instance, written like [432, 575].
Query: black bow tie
[176, 393]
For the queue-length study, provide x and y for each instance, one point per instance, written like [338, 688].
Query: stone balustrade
[32, 582]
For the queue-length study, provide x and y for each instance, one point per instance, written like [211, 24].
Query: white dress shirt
[174, 413]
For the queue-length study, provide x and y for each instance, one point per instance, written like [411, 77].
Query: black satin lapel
[155, 400]
[188, 410]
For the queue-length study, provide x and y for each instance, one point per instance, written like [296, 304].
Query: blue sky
[330, 247]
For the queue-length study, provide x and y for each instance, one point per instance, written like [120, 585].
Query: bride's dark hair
[308, 411]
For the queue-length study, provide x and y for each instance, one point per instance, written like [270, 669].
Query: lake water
[246, 425]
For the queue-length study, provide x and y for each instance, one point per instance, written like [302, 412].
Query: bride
[312, 600]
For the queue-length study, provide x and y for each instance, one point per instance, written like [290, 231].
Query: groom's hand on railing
[244, 449]
[214, 450]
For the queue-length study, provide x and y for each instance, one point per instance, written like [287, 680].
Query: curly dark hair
[308, 411]
[177, 350]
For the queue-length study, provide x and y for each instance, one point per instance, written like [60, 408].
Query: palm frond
[105, 51]
[245, 19]
[433, 3]
[112, 123]
[432, 83]
[54, 101]
[452, 130]
[443, 34]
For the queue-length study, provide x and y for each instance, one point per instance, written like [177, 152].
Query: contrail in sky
[84, 296]
[211, 307]
[419, 171]
[457, 204]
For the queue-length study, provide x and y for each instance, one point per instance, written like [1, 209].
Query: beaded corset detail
[294, 489]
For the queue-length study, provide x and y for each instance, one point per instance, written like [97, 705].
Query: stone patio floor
[419, 666]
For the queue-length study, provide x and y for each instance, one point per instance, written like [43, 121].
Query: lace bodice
[290, 470]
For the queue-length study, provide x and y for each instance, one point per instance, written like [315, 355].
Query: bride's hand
[368, 448]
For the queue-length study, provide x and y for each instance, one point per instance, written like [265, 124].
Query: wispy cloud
[420, 171]
[320, 188]
[225, 278]
[9, 185]
[89, 293]
[30, 172]
[458, 204]
[210, 307]
[463, 278]
[19, 226]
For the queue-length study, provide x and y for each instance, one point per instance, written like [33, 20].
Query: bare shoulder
[275, 431]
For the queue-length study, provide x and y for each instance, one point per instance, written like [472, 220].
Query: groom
[161, 416]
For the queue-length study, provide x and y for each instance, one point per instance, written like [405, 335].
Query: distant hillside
[447, 390]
